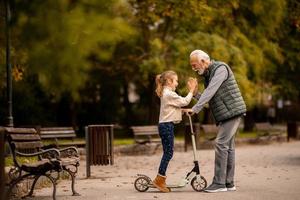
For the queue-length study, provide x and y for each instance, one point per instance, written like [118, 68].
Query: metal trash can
[2, 163]
[99, 146]
[292, 130]
[187, 135]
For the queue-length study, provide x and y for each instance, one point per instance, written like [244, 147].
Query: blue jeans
[166, 133]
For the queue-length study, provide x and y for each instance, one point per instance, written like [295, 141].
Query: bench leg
[73, 175]
[32, 187]
[53, 180]
[14, 183]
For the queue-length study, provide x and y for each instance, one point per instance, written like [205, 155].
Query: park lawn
[65, 142]
[9, 160]
[241, 134]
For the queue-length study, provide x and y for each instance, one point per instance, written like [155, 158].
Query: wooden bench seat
[210, 131]
[265, 129]
[146, 134]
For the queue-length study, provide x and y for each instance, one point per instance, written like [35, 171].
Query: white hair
[201, 55]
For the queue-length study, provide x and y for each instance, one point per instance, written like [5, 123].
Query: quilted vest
[227, 102]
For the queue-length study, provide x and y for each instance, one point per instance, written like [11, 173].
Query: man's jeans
[166, 133]
[225, 152]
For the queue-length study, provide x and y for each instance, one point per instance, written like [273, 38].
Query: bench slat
[146, 133]
[25, 137]
[146, 128]
[57, 132]
[58, 136]
[11, 130]
[28, 145]
[56, 128]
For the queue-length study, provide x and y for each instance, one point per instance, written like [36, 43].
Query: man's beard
[200, 71]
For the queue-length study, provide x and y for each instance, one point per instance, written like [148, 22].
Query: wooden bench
[26, 142]
[210, 131]
[21, 142]
[146, 134]
[265, 129]
[57, 132]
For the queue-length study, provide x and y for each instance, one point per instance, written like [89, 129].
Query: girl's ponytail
[159, 86]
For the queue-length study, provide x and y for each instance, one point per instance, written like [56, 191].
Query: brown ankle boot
[160, 183]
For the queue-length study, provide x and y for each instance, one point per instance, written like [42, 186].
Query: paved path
[266, 172]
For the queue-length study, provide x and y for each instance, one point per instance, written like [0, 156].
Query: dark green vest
[227, 102]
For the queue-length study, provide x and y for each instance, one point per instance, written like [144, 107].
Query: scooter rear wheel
[199, 186]
[141, 184]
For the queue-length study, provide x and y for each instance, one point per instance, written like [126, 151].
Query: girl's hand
[192, 85]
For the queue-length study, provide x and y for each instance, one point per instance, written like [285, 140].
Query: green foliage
[92, 50]
[65, 37]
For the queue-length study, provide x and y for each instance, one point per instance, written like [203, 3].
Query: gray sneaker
[230, 187]
[215, 188]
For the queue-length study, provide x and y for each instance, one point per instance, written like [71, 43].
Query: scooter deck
[174, 186]
[168, 186]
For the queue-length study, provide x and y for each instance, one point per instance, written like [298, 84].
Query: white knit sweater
[170, 105]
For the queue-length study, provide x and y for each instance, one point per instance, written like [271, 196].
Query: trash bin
[2, 177]
[99, 146]
[292, 130]
[187, 135]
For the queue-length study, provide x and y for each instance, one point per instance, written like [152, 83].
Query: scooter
[198, 182]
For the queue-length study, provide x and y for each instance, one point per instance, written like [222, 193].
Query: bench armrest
[53, 153]
[69, 151]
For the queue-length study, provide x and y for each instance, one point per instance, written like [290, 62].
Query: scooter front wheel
[141, 184]
[199, 185]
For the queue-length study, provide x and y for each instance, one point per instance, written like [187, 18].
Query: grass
[242, 134]
[123, 141]
[9, 160]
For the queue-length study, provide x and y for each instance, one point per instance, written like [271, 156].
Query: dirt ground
[267, 172]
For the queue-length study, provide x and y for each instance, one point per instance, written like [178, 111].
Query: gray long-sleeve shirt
[219, 77]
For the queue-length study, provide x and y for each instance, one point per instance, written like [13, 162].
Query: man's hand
[192, 85]
[188, 111]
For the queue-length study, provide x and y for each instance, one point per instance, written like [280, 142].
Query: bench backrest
[145, 130]
[210, 128]
[24, 140]
[21, 139]
[263, 126]
[57, 132]
[145, 134]
[210, 131]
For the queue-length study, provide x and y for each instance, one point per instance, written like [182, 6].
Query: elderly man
[227, 106]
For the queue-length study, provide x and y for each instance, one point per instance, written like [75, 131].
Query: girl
[170, 113]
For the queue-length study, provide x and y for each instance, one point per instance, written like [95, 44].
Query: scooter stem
[193, 136]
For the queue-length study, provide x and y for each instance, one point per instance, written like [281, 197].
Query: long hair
[161, 80]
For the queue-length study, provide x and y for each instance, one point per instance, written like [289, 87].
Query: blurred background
[80, 62]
